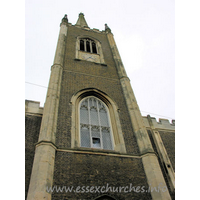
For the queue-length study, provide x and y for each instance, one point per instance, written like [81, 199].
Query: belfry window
[94, 49]
[95, 129]
[81, 45]
[88, 45]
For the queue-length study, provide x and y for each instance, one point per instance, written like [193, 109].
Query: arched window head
[105, 197]
[95, 128]
[88, 45]
[94, 48]
[95, 121]
[81, 45]
[89, 49]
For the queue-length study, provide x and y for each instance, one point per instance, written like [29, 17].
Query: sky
[144, 32]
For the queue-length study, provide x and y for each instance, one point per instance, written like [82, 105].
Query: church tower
[92, 138]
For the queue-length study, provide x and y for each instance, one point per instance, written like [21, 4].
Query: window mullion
[85, 45]
[90, 124]
[91, 50]
[96, 47]
[101, 140]
[110, 128]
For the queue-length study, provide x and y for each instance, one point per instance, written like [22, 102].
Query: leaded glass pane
[95, 103]
[107, 144]
[94, 122]
[103, 118]
[94, 116]
[84, 118]
[90, 102]
[85, 103]
[85, 137]
[99, 104]
[95, 132]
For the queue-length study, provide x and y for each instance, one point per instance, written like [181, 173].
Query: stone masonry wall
[86, 169]
[78, 75]
[172, 194]
[168, 139]
[74, 169]
[32, 128]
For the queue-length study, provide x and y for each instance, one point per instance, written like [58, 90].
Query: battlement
[151, 122]
[33, 108]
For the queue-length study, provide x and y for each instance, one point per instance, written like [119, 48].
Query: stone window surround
[79, 52]
[118, 140]
[109, 127]
[92, 45]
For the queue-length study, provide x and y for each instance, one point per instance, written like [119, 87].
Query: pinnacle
[81, 21]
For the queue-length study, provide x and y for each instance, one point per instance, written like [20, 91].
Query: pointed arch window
[82, 45]
[95, 129]
[94, 48]
[96, 122]
[89, 49]
[88, 45]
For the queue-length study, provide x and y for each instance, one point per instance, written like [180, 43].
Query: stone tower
[92, 136]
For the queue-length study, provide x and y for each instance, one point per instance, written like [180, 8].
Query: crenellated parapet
[150, 122]
[33, 108]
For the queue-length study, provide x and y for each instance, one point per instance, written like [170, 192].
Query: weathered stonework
[32, 129]
[166, 135]
[137, 157]
[43, 165]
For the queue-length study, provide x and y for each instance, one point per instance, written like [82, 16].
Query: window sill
[96, 150]
[89, 52]
[103, 64]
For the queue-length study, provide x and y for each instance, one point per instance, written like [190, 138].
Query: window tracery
[89, 49]
[88, 45]
[95, 129]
